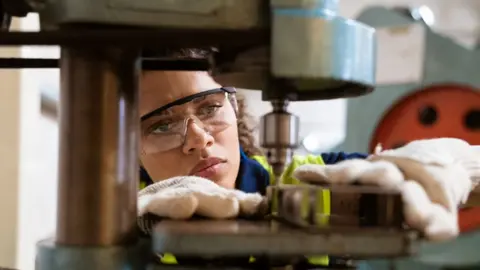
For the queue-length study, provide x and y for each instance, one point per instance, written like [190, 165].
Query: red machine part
[436, 111]
[469, 219]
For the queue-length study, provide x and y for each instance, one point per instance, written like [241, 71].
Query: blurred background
[428, 76]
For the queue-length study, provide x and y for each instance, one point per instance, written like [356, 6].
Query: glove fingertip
[173, 206]
[142, 204]
[347, 171]
[250, 204]
[218, 206]
[183, 207]
[311, 173]
[230, 208]
[234, 209]
[417, 205]
[383, 174]
[442, 225]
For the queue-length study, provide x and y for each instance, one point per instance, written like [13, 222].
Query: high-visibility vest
[324, 206]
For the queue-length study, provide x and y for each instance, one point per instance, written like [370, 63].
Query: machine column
[98, 161]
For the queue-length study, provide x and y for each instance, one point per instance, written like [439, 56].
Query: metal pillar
[98, 176]
[98, 163]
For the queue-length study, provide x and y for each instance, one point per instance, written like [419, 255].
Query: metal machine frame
[98, 177]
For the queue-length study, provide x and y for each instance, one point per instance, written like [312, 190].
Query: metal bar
[147, 64]
[98, 164]
[456, 253]
[6, 63]
[251, 238]
[154, 38]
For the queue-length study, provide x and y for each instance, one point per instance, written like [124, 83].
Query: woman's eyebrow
[166, 112]
[156, 112]
[199, 99]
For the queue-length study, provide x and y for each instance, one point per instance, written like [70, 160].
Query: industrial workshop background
[28, 142]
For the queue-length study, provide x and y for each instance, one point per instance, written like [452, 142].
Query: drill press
[312, 54]
[315, 54]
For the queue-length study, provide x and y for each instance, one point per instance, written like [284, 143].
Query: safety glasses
[166, 127]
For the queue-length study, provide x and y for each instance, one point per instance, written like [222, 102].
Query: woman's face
[214, 155]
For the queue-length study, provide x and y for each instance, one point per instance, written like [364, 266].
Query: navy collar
[252, 176]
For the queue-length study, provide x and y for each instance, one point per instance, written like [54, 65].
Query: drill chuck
[279, 135]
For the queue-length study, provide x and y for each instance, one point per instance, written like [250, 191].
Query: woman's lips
[210, 171]
[208, 167]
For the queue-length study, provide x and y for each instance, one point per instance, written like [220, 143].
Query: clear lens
[213, 113]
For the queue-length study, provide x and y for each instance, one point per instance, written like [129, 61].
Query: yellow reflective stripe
[323, 260]
[318, 260]
[287, 178]
[168, 258]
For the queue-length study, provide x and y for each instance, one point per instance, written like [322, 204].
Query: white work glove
[185, 196]
[434, 177]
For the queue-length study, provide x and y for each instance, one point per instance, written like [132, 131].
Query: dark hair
[245, 123]
[178, 53]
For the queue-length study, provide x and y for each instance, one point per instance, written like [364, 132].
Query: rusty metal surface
[98, 159]
[235, 238]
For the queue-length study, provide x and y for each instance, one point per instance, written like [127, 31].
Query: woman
[194, 129]
[229, 147]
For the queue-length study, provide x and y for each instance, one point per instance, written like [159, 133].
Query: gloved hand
[182, 197]
[434, 177]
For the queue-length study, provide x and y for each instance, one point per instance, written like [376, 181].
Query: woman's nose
[196, 138]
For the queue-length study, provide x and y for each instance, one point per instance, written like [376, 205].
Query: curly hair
[246, 129]
[245, 122]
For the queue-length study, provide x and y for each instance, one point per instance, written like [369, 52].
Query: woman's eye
[160, 127]
[210, 110]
